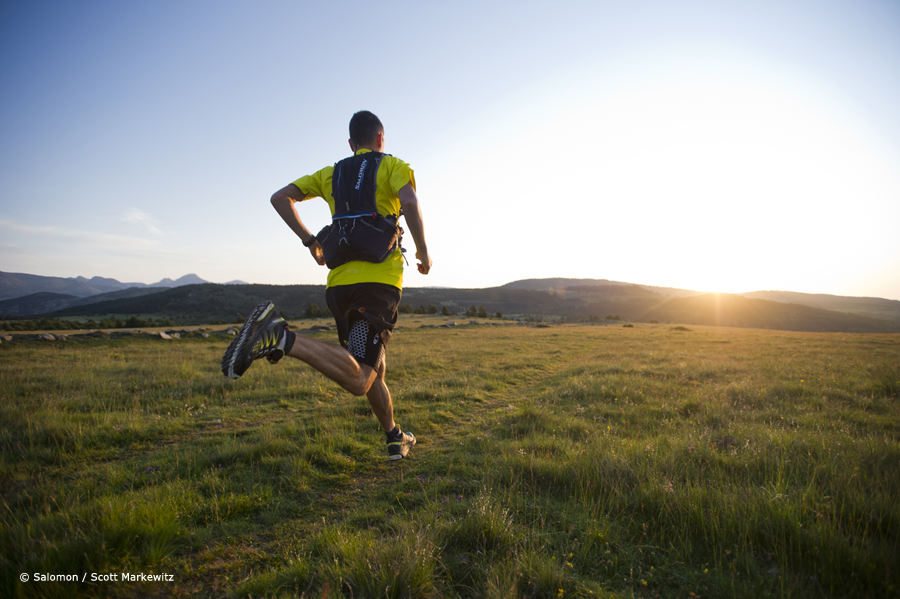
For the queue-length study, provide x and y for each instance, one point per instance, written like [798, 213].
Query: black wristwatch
[310, 241]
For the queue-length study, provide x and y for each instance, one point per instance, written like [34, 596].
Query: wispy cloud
[66, 251]
[50, 235]
[137, 216]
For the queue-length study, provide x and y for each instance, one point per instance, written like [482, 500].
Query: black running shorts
[365, 314]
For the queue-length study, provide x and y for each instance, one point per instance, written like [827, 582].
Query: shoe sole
[236, 347]
[400, 456]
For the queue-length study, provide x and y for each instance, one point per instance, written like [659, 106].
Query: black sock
[289, 337]
[394, 434]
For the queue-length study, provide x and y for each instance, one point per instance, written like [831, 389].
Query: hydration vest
[357, 231]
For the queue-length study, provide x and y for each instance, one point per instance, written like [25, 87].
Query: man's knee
[358, 388]
[364, 380]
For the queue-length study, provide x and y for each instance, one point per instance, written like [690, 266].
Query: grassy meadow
[561, 461]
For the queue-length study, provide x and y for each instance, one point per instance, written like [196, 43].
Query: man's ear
[352, 147]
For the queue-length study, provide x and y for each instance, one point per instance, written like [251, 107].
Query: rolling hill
[874, 307]
[738, 311]
[44, 302]
[563, 299]
[199, 304]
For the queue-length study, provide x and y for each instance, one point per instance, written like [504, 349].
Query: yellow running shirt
[393, 174]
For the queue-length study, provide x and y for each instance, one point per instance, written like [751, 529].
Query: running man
[362, 251]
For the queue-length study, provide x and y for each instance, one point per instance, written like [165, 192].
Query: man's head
[366, 131]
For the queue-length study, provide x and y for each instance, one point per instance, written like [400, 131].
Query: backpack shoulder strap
[353, 185]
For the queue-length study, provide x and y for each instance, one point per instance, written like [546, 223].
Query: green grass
[569, 461]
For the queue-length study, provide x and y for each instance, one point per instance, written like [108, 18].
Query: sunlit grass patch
[568, 461]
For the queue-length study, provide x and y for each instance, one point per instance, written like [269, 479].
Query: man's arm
[283, 201]
[409, 202]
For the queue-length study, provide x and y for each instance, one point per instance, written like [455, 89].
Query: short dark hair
[364, 128]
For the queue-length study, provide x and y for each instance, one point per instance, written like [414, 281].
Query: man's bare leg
[334, 362]
[359, 379]
[379, 397]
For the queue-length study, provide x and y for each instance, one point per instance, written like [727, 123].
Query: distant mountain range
[565, 299]
[13, 285]
[23, 294]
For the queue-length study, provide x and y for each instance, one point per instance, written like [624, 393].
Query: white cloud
[47, 235]
[137, 216]
[51, 250]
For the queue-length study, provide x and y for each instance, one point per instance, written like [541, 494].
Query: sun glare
[708, 183]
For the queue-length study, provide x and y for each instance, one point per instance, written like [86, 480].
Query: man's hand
[316, 252]
[283, 201]
[424, 264]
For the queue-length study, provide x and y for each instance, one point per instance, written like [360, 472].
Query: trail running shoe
[399, 447]
[258, 337]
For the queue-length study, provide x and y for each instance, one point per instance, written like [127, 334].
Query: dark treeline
[56, 324]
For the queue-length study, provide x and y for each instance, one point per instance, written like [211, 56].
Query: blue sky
[718, 146]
